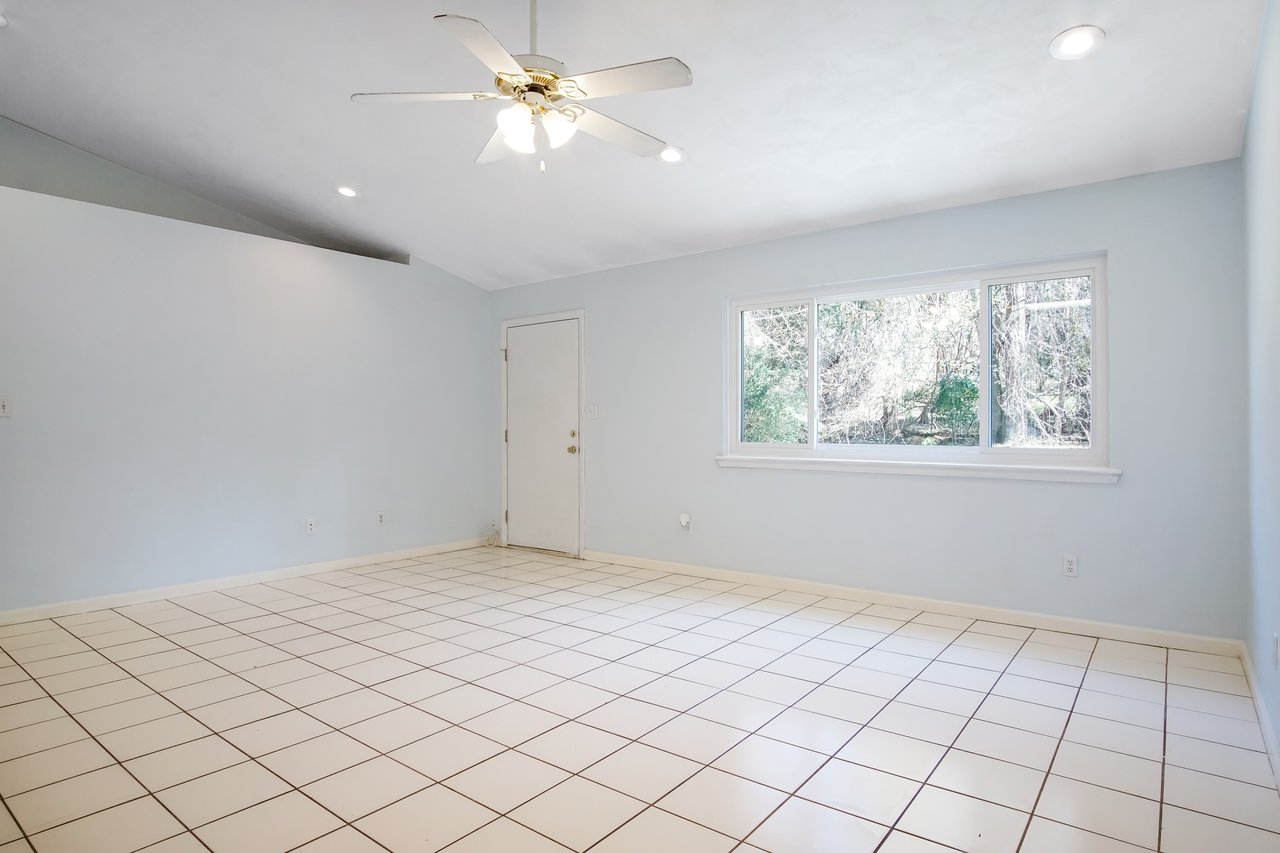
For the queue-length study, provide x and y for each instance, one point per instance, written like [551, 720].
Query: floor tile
[848, 705]
[505, 835]
[1100, 810]
[771, 762]
[513, 724]
[316, 758]
[1117, 737]
[218, 794]
[131, 826]
[349, 708]
[344, 840]
[836, 711]
[860, 791]
[1187, 831]
[51, 805]
[277, 732]
[694, 738]
[657, 829]
[1046, 836]
[986, 778]
[506, 780]
[810, 730]
[577, 812]
[573, 746]
[1108, 769]
[275, 826]
[360, 790]
[963, 822]
[800, 826]
[51, 765]
[1228, 730]
[1244, 765]
[153, 736]
[901, 842]
[396, 728]
[247, 708]
[921, 723]
[1027, 716]
[629, 718]
[1008, 744]
[445, 753]
[642, 772]
[893, 753]
[1253, 805]
[16, 743]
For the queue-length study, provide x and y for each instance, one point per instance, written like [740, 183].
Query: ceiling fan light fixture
[1077, 42]
[559, 129]
[516, 124]
[673, 154]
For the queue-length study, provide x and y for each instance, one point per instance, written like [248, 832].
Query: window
[999, 374]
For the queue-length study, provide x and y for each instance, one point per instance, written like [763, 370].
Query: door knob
[573, 448]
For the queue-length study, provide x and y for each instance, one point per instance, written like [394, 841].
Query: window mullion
[813, 373]
[984, 366]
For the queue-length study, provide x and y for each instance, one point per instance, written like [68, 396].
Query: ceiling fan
[545, 112]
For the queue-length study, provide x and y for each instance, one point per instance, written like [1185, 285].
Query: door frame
[581, 316]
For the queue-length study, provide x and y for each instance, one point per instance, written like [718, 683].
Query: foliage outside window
[1000, 369]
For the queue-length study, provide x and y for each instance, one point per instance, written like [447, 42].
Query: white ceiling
[802, 116]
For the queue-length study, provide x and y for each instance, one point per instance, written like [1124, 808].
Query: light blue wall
[185, 397]
[31, 160]
[1166, 547]
[1262, 171]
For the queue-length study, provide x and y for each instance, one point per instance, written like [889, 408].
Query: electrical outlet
[1071, 566]
[311, 526]
[4, 407]
[382, 519]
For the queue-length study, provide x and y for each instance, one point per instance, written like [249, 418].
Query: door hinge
[504, 355]
[506, 515]
[504, 435]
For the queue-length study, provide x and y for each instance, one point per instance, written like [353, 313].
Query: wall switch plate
[1071, 566]
[593, 412]
[1275, 651]
[311, 526]
[4, 407]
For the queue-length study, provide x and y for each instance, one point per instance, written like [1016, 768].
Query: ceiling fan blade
[641, 77]
[494, 150]
[482, 44]
[613, 131]
[406, 97]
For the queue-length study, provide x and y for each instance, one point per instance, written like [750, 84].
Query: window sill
[1044, 473]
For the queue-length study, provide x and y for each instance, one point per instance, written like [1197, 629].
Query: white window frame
[1083, 465]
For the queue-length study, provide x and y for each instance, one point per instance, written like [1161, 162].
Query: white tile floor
[492, 700]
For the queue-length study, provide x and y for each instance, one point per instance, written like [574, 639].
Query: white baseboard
[1264, 718]
[102, 602]
[1066, 624]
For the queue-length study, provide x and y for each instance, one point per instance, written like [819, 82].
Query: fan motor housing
[544, 71]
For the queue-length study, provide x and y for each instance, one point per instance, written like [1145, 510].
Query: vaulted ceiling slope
[802, 116]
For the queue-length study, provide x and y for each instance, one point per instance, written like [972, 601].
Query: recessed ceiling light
[1077, 42]
[348, 192]
[672, 154]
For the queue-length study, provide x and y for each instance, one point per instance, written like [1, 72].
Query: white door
[542, 430]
